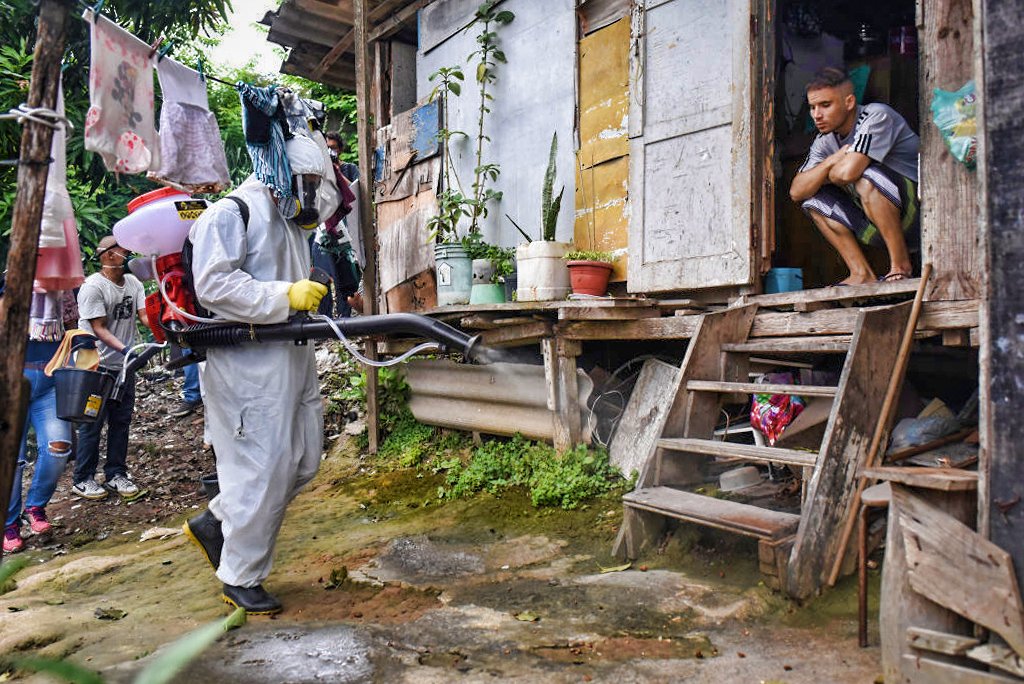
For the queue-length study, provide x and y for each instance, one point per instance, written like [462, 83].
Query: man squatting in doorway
[263, 406]
[859, 180]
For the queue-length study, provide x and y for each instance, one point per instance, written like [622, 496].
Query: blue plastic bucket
[783, 280]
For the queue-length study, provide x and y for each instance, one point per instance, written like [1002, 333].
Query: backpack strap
[243, 209]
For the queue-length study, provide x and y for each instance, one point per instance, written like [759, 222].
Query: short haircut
[829, 77]
[335, 136]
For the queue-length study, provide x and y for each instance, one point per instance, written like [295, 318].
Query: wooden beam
[999, 657]
[940, 479]
[830, 322]
[948, 190]
[926, 670]
[33, 166]
[844, 293]
[1001, 175]
[343, 45]
[940, 642]
[364, 134]
[516, 335]
[947, 562]
[386, 27]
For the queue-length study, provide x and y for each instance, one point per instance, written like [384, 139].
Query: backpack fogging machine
[157, 225]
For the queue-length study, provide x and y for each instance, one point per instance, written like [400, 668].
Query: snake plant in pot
[542, 273]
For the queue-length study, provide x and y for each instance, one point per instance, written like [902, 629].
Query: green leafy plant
[549, 205]
[590, 255]
[454, 203]
[502, 258]
[562, 480]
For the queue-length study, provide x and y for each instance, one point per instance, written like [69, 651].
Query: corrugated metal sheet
[499, 398]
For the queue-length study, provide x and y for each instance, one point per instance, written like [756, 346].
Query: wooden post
[34, 162]
[1001, 173]
[563, 390]
[949, 204]
[364, 131]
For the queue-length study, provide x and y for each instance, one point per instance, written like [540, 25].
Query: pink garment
[60, 268]
[191, 150]
[120, 122]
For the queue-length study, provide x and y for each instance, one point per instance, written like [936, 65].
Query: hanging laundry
[120, 122]
[56, 202]
[265, 133]
[60, 268]
[296, 112]
[45, 323]
[192, 155]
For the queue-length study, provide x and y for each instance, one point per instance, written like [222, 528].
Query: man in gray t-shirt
[108, 303]
[859, 180]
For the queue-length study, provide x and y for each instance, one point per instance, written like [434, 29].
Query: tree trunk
[33, 166]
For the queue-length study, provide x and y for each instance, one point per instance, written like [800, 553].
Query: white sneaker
[89, 489]
[120, 484]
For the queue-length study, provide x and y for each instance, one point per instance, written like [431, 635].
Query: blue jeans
[53, 436]
[117, 415]
[190, 390]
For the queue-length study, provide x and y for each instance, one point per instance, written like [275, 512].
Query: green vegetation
[562, 481]
[550, 205]
[590, 255]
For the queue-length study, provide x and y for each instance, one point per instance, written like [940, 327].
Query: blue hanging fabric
[263, 121]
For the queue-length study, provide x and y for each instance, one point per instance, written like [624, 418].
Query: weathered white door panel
[690, 150]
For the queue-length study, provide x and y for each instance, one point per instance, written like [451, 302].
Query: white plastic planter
[543, 274]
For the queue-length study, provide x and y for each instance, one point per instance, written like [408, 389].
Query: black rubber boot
[204, 531]
[255, 600]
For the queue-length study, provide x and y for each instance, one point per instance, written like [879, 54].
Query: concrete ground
[382, 582]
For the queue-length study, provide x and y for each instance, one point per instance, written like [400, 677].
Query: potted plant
[589, 271]
[499, 260]
[542, 274]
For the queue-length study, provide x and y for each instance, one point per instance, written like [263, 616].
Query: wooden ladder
[796, 552]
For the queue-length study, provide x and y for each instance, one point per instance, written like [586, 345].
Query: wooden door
[690, 147]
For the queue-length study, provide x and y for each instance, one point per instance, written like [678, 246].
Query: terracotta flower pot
[589, 277]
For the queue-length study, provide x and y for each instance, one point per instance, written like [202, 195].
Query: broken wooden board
[942, 479]
[999, 657]
[845, 293]
[403, 237]
[957, 568]
[832, 491]
[922, 670]
[940, 642]
[642, 421]
[418, 294]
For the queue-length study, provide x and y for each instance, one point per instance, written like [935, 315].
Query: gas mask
[306, 189]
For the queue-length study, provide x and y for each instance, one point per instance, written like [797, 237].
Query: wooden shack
[686, 129]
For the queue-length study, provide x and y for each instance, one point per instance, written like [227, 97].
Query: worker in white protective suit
[263, 406]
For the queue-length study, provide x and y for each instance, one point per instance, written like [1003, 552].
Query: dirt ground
[423, 590]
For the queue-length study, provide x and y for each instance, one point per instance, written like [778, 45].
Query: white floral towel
[120, 123]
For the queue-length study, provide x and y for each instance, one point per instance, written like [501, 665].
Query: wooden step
[751, 521]
[817, 344]
[748, 452]
[760, 388]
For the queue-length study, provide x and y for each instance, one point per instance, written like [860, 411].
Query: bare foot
[858, 279]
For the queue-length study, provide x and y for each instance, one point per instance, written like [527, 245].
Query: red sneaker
[37, 521]
[12, 539]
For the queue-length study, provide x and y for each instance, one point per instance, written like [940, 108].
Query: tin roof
[320, 37]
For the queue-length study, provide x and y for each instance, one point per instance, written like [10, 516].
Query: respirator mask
[306, 189]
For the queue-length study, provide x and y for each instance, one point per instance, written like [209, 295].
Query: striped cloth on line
[264, 139]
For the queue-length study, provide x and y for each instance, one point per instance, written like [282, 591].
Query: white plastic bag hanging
[56, 202]
[120, 122]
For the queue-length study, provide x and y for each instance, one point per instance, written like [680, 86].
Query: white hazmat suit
[263, 405]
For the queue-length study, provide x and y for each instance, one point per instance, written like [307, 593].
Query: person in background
[108, 304]
[53, 435]
[859, 181]
[344, 270]
[191, 398]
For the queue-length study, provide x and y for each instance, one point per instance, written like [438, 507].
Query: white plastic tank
[158, 222]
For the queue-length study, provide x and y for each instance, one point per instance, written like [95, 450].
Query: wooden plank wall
[602, 162]
[1001, 169]
[949, 199]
